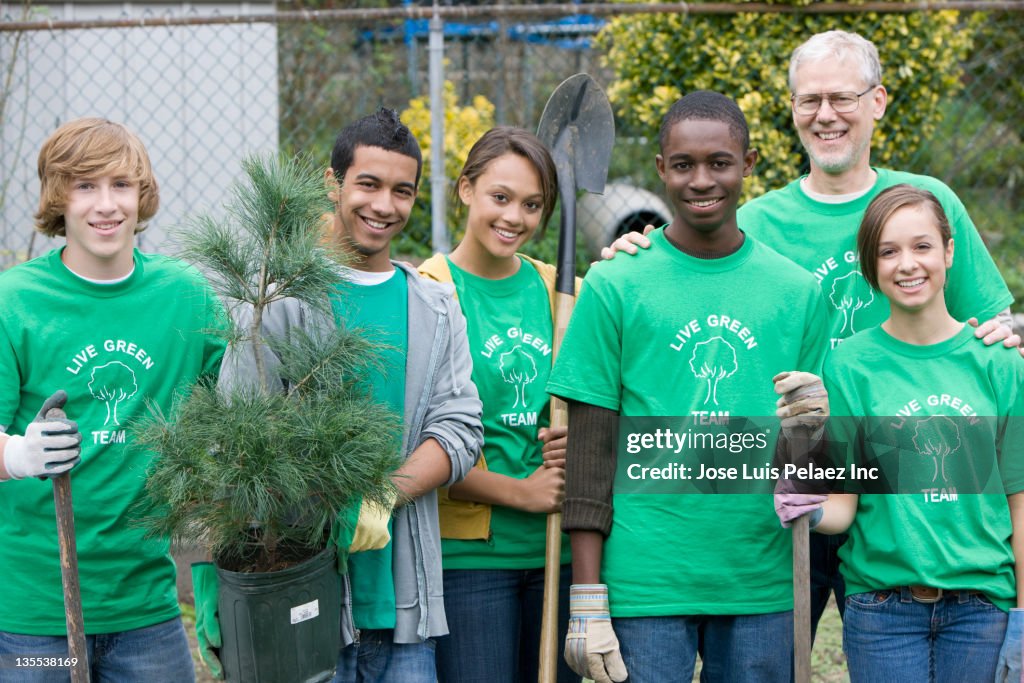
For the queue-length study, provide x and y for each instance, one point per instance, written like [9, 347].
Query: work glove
[591, 648]
[803, 404]
[205, 587]
[361, 527]
[50, 445]
[790, 504]
[371, 532]
[1008, 666]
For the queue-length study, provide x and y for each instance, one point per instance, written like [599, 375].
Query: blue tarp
[570, 33]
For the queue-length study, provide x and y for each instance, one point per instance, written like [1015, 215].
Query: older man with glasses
[837, 96]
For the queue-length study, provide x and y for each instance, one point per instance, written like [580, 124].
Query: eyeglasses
[841, 102]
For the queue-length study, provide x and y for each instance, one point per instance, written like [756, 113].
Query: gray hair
[839, 45]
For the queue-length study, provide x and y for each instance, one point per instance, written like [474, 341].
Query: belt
[927, 594]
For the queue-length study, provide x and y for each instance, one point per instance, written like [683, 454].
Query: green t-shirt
[381, 311]
[822, 238]
[667, 334]
[508, 323]
[114, 349]
[938, 536]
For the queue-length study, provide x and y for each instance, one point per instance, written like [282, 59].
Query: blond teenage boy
[118, 331]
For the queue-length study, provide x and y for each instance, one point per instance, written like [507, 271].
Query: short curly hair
[706, 105]
[91, 147]
[383, 129]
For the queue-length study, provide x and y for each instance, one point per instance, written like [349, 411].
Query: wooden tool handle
[801, 601]
[69, 570]
[549, 640]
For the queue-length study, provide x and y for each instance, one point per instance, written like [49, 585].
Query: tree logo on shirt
[712, 361]
[112, 383]
[937, 438]
[518, 368]
[850, 293]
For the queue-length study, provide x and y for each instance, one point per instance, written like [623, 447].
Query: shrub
[658, 58]
[257, 472]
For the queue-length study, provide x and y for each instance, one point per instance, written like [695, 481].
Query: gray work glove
[50, 445]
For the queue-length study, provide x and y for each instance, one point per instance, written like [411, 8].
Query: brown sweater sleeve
[590, 468]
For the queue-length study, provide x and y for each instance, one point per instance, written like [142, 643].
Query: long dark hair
[508, 139]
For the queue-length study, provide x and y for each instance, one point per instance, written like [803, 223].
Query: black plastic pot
[284, 626]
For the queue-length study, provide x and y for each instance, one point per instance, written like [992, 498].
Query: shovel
[578, 127]
[69, 570]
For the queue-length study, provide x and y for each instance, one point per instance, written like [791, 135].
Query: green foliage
[1006, 240]
[658, 58]
[995, 65]
[327, 78]
[983, 158]
[982, 150]
[254, 475]
[255, 472]
[273, 238]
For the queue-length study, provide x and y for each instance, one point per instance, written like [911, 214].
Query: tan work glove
[803, 404]
[591, 648]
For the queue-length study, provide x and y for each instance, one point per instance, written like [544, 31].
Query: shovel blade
[578, 127]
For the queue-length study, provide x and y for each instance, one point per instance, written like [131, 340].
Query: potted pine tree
[257, 472]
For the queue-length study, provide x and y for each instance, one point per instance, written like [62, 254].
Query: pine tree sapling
[259, 473]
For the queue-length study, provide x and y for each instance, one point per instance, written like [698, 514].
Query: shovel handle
[69, 570]
[549, 640]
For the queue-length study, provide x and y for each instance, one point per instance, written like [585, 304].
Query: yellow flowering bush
[463, 126]
[658, 58]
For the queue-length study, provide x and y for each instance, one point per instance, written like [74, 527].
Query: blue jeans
[494, 620]
[157, 653]
[888, 637]
[825, 576]
[375, 658]
[734, 649]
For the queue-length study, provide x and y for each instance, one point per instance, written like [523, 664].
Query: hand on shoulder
[629, 243]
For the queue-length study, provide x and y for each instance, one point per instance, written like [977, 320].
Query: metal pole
[411, 52]
[438, 214]
[500, 79]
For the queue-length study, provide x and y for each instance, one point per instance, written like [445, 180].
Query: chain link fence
[205, 84]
